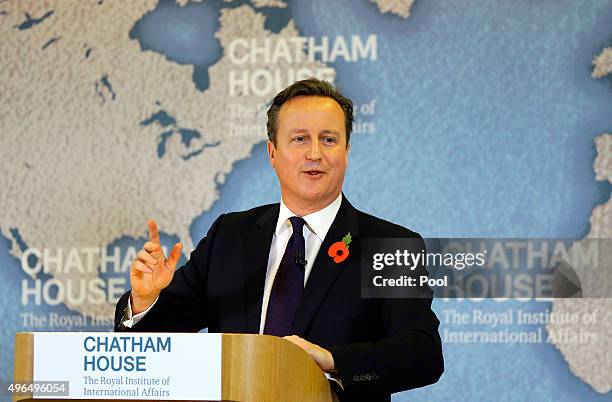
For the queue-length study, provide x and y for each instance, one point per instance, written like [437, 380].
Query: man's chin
[311, 193]
[314, 195]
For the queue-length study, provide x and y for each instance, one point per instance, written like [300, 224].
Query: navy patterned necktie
[288, 283]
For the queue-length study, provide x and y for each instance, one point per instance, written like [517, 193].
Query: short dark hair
[309, 87]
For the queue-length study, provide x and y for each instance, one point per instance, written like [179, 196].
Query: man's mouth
[314, 172]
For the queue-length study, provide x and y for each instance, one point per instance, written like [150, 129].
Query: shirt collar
[318, 222]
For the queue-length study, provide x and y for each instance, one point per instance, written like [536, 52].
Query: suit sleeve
[408, 355]
[182, 306]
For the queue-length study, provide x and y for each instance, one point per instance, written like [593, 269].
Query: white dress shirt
[314, 231]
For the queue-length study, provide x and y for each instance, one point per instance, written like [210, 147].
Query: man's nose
[314, 153]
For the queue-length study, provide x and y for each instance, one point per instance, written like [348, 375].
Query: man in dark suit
[293, 269]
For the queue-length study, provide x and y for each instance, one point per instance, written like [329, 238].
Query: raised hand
[151, 271]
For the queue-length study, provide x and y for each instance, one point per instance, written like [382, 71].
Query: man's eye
[299, 139]
[330, 140]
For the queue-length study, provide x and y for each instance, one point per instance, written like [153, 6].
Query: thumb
[175, 255]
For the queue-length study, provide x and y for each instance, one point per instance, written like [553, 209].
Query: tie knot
[297, 223]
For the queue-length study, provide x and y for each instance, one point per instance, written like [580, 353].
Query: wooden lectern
[253, 368]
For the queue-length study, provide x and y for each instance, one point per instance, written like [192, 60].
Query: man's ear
[271, 152]
[348, 148]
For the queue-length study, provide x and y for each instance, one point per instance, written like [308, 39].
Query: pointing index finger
[153, 232]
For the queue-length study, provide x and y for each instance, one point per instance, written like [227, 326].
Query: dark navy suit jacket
[380, 346]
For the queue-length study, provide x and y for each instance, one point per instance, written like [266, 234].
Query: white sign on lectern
[101, 365]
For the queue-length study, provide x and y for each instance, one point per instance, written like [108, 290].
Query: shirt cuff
[335, 378]
[128, 319]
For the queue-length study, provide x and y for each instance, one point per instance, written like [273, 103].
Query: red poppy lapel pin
[339, 251]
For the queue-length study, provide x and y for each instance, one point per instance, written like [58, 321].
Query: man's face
[310, 156]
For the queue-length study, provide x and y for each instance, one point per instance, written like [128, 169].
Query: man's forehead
[303, 101]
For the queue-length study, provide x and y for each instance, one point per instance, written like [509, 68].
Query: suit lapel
[258, 237]
[324, 270]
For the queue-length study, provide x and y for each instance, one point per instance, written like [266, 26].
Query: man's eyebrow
[306, 131]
